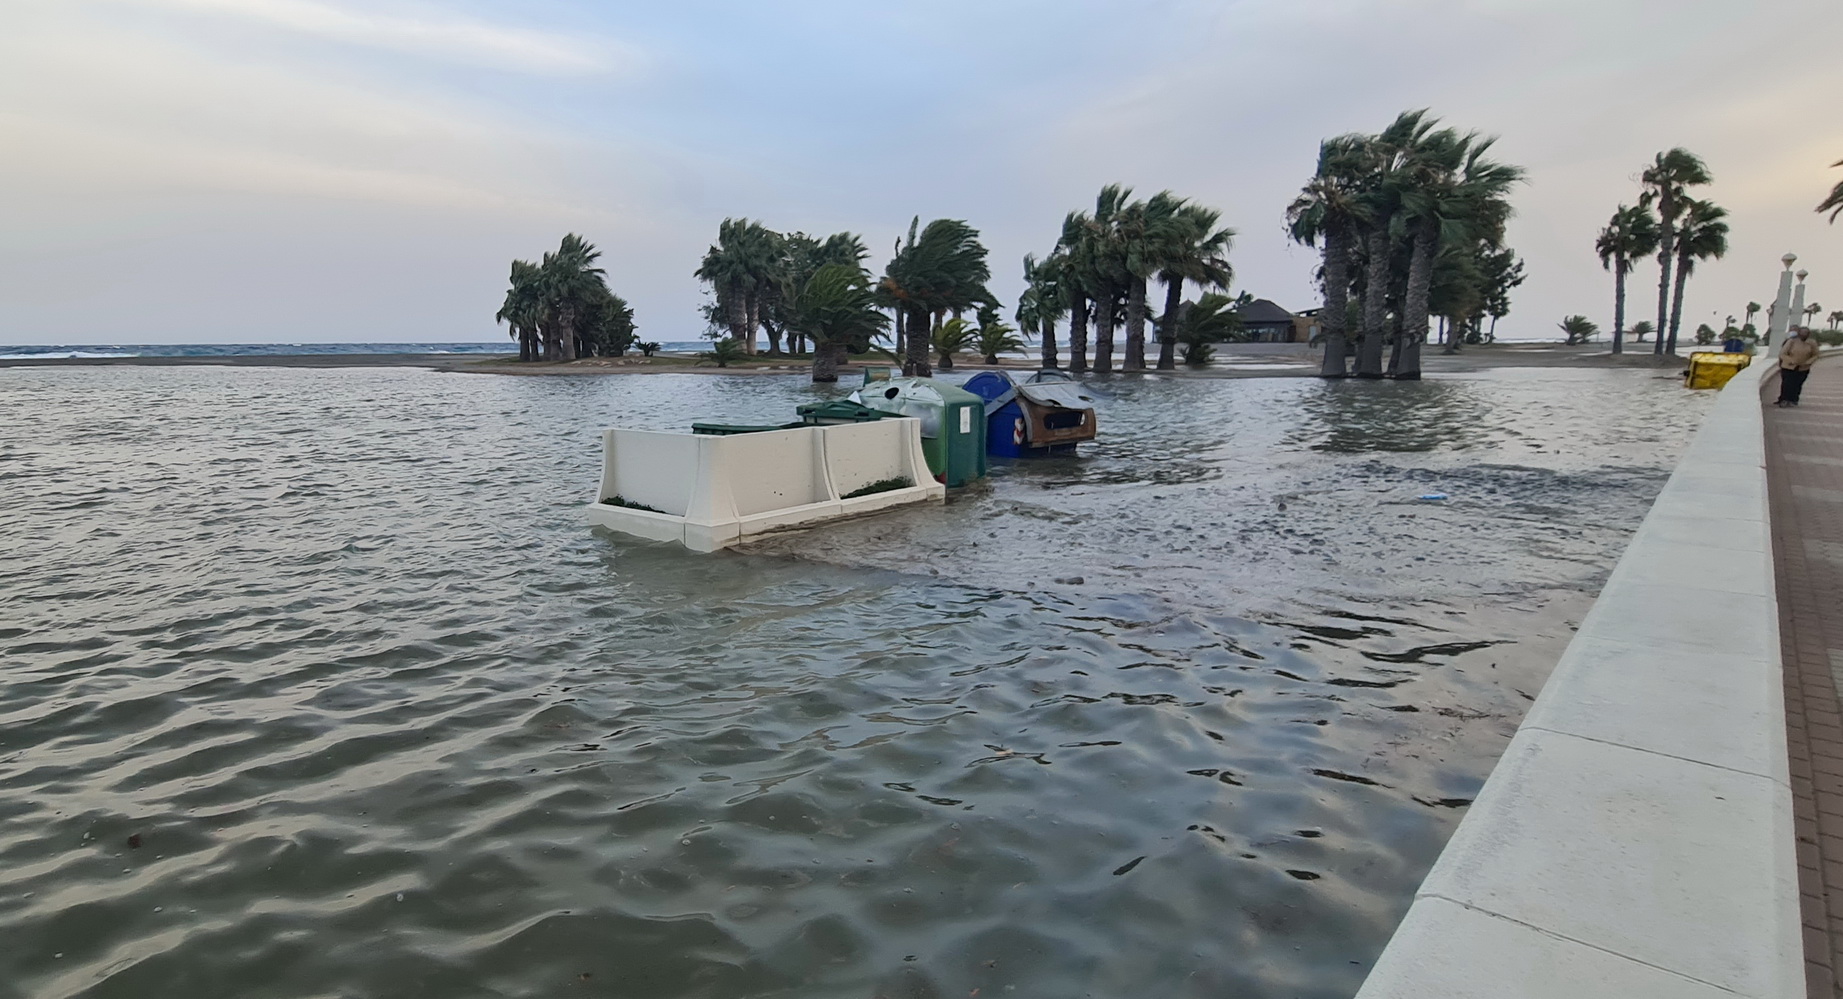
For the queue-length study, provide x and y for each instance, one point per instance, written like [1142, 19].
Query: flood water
[312, 684]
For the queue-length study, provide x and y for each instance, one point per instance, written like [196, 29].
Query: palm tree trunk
[1333, 319]
[901, 341]
[1103, 335]
[1414, 304]
[1049, 344]
[774, 338]
[1375, 304]
[825, 361]
[1135, 324]
[1667, 251]
[754, 315]
[1167, 325]
[1676, 305]
[916, 363]
[1619, 269]
[1078, 334]
[566, 319]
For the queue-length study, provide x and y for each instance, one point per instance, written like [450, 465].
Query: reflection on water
[1355, 416]
[312, 684]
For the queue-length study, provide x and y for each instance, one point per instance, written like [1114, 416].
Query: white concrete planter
[709, 492]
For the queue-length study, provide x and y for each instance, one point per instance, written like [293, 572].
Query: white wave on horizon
[58, 355]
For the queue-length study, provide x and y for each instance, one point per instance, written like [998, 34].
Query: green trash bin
[837, 411]
[952, 423]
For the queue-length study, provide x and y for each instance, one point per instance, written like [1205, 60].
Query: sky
[364, 170]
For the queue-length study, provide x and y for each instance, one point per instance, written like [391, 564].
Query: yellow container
[1710, 369]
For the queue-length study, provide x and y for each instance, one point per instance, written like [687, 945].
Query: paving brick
[1804, 476]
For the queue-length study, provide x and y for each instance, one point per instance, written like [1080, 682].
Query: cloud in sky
[428, 32]
[326, 169]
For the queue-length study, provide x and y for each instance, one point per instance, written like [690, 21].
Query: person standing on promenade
[1795, 360]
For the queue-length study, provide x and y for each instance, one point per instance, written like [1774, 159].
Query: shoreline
[1229, 364]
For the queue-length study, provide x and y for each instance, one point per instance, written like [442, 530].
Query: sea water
[313, 684]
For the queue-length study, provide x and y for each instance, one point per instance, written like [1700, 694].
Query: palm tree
[1811, 312]
[567, 277]
[724, 352]
[1042, 304]
[943, 268]
[1149, 233]
[1451, 196]
[1211, 319]
[1753, 309]
[1331, 210]
[1667, 182]
[996, 337]
[1641, 328]
[744, 267]
[1395, 160]
[1630, 235]
[1835, 318]
[1702, 235]
[838, 307]
[1102, 253]
[1579, 329]
[1195, 250]
[801, 257]
[523, 308]
[1834, 203]
[955, 336]
[1072, 253]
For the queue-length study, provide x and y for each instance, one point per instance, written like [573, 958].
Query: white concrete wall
[1636, 838]
[714, 491]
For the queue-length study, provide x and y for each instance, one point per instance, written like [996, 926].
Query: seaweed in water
[879, 486]
[629, 504]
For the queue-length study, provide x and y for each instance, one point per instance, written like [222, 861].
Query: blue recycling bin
[1046, 414]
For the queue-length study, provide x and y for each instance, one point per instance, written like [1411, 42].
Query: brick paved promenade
[1804, 465]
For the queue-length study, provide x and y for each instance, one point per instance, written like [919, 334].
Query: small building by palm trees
[1266, 322]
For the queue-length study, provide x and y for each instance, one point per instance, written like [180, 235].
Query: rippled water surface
[312, 684]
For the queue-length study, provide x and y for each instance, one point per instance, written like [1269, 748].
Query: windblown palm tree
[1073, 249]
[1194, 249]
[567, 277]
[1452, 196]
[837, 307]
[744, 267]
[1642, 328]
[942, 268]
[1578, 329]
[1042, 304]
[1630, 235]
[1147, 232]
[1753, 309]
[1667, 182]
[1835, 318]
[1396, 159]
[1331, 211]
[1701, 235]
[1834, 203]
[523, 311]
[1210, 320]
[1101, 253]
